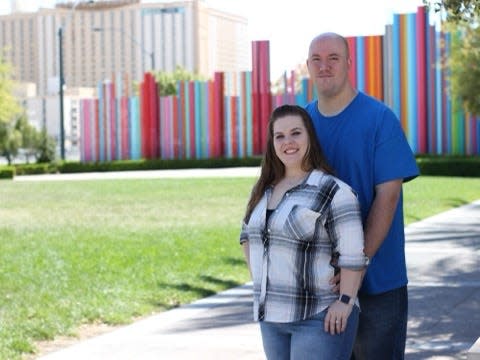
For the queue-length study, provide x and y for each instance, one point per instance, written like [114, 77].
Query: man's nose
[322, 65]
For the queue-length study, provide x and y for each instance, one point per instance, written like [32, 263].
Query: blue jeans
[307, 339]
[382, 327]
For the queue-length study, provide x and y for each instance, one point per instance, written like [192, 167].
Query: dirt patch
[84, 332]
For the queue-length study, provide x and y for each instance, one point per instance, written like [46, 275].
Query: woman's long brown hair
[272, 169]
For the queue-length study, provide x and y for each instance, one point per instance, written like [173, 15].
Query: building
[110, 38]
[121, 37]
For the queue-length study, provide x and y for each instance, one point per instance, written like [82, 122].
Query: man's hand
[335, 282]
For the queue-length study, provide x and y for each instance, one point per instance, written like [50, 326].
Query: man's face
[328, 65]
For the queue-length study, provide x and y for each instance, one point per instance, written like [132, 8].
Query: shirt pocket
[301, 223]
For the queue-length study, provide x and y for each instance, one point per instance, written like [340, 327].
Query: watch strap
[344, 298]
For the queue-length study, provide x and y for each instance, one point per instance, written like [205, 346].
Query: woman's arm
[348, 237]
[246, 253]
[338, 313]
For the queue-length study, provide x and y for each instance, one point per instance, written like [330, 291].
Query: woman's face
[290, 140]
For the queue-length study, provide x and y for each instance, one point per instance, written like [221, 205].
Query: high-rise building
[102, 39]
[110, 38]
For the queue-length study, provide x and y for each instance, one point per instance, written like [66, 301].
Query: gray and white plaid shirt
[290, 257]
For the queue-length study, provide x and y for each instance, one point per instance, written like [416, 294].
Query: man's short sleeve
[394, 158]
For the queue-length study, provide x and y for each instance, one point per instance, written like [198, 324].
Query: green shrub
[7, 172]
[436, 165]
[34, 169]
[156, 164]
[452, 165]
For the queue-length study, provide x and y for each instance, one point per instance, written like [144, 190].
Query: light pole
[61, 75]
[138, 43]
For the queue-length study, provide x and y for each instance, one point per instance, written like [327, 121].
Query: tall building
[110, 38]
[102, 39]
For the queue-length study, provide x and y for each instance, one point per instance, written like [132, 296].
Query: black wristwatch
[346, 299]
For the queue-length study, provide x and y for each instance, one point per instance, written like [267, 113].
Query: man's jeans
[382, 328]
[307, 339]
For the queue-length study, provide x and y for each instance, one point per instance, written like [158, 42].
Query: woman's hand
[337, 317]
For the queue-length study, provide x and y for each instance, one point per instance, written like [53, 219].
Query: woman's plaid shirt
[290, 258]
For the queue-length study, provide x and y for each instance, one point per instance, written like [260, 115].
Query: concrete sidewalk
[150, 174]
[443, 255]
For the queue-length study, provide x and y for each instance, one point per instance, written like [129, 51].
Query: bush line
[451, 165]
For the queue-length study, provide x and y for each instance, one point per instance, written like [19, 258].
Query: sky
[290, 25]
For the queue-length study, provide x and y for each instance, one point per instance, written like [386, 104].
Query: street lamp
[138, 43]
[61, 76]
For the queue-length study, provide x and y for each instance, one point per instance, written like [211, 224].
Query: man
[364, 143]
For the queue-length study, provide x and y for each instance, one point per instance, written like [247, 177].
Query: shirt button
[268, 230]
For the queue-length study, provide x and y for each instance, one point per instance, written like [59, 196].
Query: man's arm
[378, 222]
[381, 214]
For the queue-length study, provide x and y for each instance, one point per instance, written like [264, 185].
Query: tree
[456, 10]
[10, 138]
[464, 66]
[46, 148]
[15, 131]
[35, 143]
[167, 81]
[30, 137]
[10, 141]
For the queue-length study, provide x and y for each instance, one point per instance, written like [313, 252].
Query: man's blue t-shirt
[366, 146]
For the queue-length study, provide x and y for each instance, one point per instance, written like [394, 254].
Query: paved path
[443, 259]
[443, 256]
[151, 174]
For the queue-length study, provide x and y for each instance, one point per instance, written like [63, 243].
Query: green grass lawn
[107, 251]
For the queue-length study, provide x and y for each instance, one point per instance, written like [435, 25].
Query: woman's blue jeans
[307, 339]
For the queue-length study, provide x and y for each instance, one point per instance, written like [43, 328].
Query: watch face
[345, 299]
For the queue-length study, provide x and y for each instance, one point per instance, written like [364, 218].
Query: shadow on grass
[456, 202]
[234, 261]
[225, 283]
[412, 219]
[188, 288]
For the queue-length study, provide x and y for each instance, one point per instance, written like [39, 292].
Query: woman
[302, 224]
